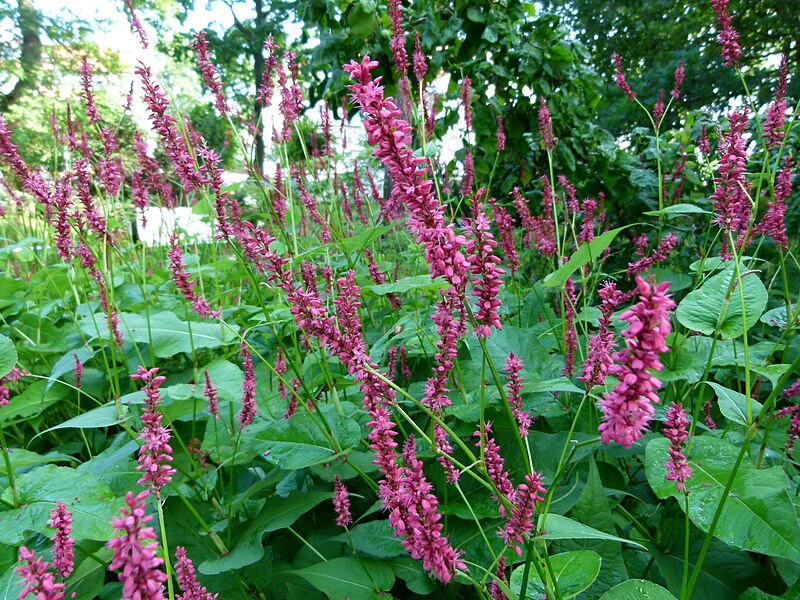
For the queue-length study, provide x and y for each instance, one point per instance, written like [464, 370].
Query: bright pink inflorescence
[513, 389]
[341, 503]
[182, 281]
[728, 38]
[135, 552]
[392, 136]
[248, 412]
[546, 125]
[773, 223]
[731, 198]
[619, 78]
[184, 573]
[210, 392]
[37, 578]
[776, 113]
[209, 72]
[599, 361]
[628, 408]
[155, 453]
[483, 264]
[63, 554]
[678, 469]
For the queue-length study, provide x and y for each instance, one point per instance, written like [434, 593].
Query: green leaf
[8, 355]
[167, 333]
[637, 589]
[733, 405]
[34, 400]
[102, 416]
[89, 499]
[776, 317]
[377, 539]
[358, 242]
[299, 442]
[559, 527]
[406, 284]
[411, 572]
[277, 514]
[20, 458]
[586, 253]
[708, 308]
[677, 210]
[758, 515]
[347, 577]
[574, 572]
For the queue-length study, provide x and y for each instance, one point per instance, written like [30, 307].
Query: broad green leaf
[411, 572]
[776, 317]
[559, 527]
[637, 589]
[574, 572]
[709, 307]
[168, 334]
[758, 515]
[8, 355]
[586, 253]
[32, 401]
[21, 458]
[733, 404]
[377, 539]
[91, 502]
[300, 442]
[102, 416]
[593, 507]
[348, 577]
[277, 514]
[677, 210]
[406, 284]
[358, 242]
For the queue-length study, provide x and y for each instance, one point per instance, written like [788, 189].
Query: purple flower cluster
[773, 223]
[341, 503]
[678, 469]
[599, 361]
[728, 38]
[184, 573]
[776, 113]
[731, 197]
[628, 408]
[546, 125]
[88, 95]
[513, 368]
[209, 72]
[186, 286]
[398, 40]
[483, 264]
[619, 78]
[210, 392]
[155, 454]
[248, 412]
[665, 247]
[392, 136]
[63, 554]
[136, 25]
[37, 577]
[135, 552]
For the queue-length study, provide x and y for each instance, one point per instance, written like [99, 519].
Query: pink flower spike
[341, 503]
[546, 125]
[135, 552]
[513, 368]
[619, 78]
[628, 408]
[210, 392]
[37, 578]
[155, 454]
[184, 573]
[63, 554]
[209, 72]
[136, 25]
[248, 412]
[678, 468]
[679, 73]
[728, 38]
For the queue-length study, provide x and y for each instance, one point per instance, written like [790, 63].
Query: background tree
[653, 36]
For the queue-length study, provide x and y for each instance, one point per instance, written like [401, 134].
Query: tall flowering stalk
[392, 136]
[155, 453]
[184, 573]
[209, 72]
[776, 113]
[773, 224]
[731, 198]
[63, 554]
[628, 408]
[37, 578]
[341, 503]
[484, 265]
[599, 360]
[678, 469]
[513, 368]
[727, 37]
[135, 552]
[248, 412]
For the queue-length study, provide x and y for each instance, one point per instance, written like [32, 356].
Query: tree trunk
[31, 54]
